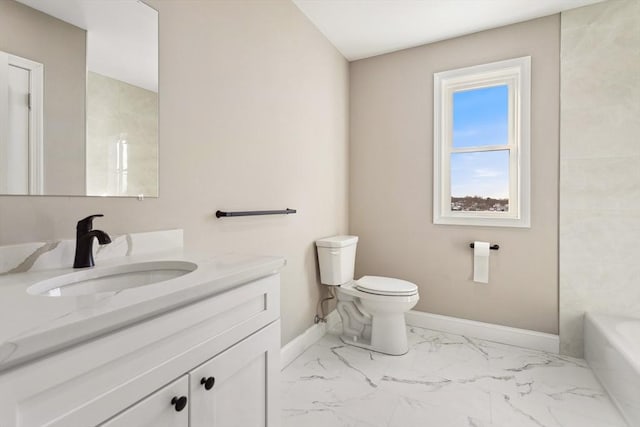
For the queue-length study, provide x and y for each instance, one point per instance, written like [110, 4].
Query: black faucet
[84, 242]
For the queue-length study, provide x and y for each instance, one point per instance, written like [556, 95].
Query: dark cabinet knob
[179, 403]
[208, 382]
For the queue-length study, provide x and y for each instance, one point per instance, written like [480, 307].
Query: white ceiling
[122, 36]
[364, 28]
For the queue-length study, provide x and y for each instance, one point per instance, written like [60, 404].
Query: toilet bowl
[371, 308]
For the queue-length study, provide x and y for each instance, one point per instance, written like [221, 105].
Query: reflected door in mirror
[20, 125]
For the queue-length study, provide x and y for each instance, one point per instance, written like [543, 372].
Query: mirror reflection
[78, 98]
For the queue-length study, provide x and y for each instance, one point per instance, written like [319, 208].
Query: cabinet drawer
[167, 407]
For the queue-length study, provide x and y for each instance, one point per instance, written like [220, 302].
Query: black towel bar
[220, 214]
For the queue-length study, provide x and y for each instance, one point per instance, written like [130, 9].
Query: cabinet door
[239, 387]
[157, 410]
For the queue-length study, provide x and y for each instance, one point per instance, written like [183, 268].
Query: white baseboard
[453, 325]
[486, 331]
[299, 344]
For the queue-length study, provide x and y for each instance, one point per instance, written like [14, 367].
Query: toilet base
[374, 322]
[388, 335]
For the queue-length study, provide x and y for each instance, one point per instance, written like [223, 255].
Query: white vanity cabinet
[129, 377]
[234, 389]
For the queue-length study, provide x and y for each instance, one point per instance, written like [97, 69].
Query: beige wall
[600, 180]
[391, 158]
[118, 110]
[253, 115]
[61, 47]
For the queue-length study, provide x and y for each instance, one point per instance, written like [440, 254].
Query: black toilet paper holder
[493, 247]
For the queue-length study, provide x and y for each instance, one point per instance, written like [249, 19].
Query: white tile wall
[599, 166]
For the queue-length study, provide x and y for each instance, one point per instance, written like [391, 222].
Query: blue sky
[480, 118]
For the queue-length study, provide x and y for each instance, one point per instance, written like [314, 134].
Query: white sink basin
[100, 280]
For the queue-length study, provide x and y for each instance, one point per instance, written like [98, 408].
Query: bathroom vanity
[200, 348]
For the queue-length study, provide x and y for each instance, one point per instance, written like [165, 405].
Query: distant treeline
[477, 203]
[478, 199]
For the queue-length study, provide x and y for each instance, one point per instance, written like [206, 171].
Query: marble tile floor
[444, 381]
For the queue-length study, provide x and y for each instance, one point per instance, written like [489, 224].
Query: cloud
[486, 173]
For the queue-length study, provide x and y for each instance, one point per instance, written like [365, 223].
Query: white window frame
[516, 74]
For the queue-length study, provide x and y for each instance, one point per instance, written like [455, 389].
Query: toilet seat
[386, 286]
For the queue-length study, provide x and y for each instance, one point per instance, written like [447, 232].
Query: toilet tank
[337, 258]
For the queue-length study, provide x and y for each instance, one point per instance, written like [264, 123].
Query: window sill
[483, 221]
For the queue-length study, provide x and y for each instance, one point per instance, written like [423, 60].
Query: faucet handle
[85, 225]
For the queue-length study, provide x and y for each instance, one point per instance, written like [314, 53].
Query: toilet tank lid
[337, 241]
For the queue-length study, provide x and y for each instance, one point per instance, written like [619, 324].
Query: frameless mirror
[78, 98]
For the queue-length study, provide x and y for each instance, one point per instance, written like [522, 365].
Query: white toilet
[371, 308]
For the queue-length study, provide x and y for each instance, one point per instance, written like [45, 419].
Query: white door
[167, 407]
[20, 125]
[239, 387]
[17, 150]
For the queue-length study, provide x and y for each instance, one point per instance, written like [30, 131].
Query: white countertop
[34, 325]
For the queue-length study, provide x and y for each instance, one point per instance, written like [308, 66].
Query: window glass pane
[481, 117]
[480, 181]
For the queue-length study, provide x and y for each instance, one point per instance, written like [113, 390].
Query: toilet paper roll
[481, 262]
